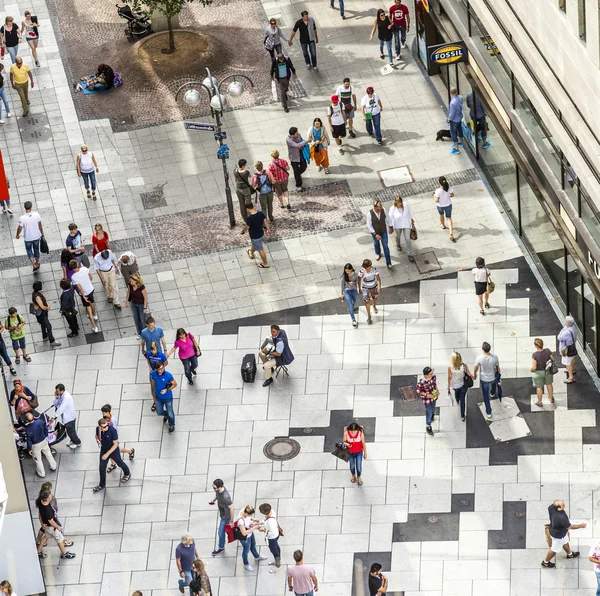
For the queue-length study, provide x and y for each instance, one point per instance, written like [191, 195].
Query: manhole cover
[427, 262]
[408, 393]
[433, 519]
[34, 128]
[281, 449]
[308, 430]
[153, 199]
[520, 514]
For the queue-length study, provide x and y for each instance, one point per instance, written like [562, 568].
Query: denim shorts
[257, 243]
[18, 344]
[447, 211]
[33, 248]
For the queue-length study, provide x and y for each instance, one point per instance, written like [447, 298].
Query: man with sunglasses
[108, 441]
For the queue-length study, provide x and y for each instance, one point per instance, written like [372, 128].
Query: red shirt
[355, 441]
[278, 172]
[99, 244]
[399, 14]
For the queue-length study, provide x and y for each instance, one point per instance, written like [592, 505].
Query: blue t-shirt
[151, 336]
[107, 438]
[186, 554]
[160, 383]
[153, 358]
[74, 242]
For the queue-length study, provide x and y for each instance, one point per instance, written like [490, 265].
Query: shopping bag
[274, 90]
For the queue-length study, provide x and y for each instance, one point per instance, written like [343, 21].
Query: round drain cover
[282, 449]
[502, 540]
[308, 430]
[520, 514]
[433, 519]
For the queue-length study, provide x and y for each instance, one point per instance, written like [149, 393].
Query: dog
[442, 134]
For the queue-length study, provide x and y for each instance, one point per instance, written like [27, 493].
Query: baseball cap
[335, 99]
[427, 370]
[370, 90]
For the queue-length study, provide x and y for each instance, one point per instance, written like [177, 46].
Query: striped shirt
[369, 279]
[277, 168]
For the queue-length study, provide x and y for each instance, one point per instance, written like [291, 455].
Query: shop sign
[447, 53]
[593, 264]
[490, 46]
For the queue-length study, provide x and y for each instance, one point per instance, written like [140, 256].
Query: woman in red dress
[100, 240]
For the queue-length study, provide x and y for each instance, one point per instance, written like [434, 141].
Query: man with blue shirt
[185, 554]
[108, 441]
[455, 116]
[163, 384]
[478, 116]
[152, 333]
[37, 443]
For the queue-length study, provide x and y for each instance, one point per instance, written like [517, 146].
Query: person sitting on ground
[103, 79]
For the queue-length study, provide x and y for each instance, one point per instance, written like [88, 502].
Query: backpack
[118, 81]
[264, 184]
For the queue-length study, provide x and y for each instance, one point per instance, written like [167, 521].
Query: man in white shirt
[372, 107]
[489, 365]
[594, 557]
[348, 100]
[107, 268]
[30, 223]
[271, 528]
[82, 280]
[64, 409]
[378, 223]
[336, 115]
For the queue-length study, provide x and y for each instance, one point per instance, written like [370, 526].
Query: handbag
[229, 533]
[468, 380]
[569, 351]
[413, 232]
[490, 286]
[269, 43]
[33, 310]
[551, 367]
[340, 452]
[274, 90]
[44, 246]
[33, 402]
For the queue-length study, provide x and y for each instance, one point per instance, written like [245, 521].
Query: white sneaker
[8, 114]
[2, 121]
[271, 562]
[95, 317]
[138, 337]
[261, 558]
[489, 416]
[404, 46]
[273, 570]
[73, 446]
[397, 56]
[249, 567]
[95, 329]
[68, 443]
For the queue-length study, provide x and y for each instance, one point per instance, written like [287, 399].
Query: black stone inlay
[463, 502]
[401, 407]
[419, 528]
[362, 567]
[94, 338]
[514, 527]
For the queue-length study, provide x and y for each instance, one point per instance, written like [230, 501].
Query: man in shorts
[255, 224]
[30, 223]
[82, 280]
[336, 115]
[559, 533]
[52, 527]
[348, 99]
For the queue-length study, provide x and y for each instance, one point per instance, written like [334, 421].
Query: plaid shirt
[279, 174]
[425, 387]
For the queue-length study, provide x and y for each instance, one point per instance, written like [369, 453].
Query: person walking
[282, 70]
[247, 524]
[108, 441]
[37, 443]
[163, 383]
[4, 352]
[30, 27]
[65, 259]
[348, 98]
[455, 116]
[354, 439]
[301, 578]
[11, 37]
[385, 34]
[489, 365]
[443, 198]
[336, 116]
[100, 240]
[271, 529]
[400, 19]
[594, 557]
[82, 280]
[567, 346]
[309, 38]
[477, 111]
[107, 414]
[15, 325]
[20, 79]
[458, 371]
[30, 223]
[225, 505]
[263, 182]
[76, 246]
[559, 533]
[52, 527]
[255, 222]
[152, 333]
[68, 308]
[64, 410]
[243, 188]
[541, 361]
[154, 355]
[280, 356]
[349, 287]
[106, 265]
[87, 168]
[371, 108]
[378, 583]
[428, 391]
[482, 278]
[128, 265]
[5, 204]
[138, 298]
[318, 138]
[189, 351]
[332, 5]
[378, 223]
[273, 38]
[295, 143]
[279, 170]
[41, 309]
[402, 221]
[185, 555]
[200, 585]
[369, 285]
[47, 486]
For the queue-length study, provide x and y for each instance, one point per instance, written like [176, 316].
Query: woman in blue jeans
[4, 352]
[457, 371]
[349, 288]
[354, 439]
[385, 33]
[4, 99]
[247, 524]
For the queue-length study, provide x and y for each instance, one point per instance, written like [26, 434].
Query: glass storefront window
[460, 6]
[570, 184]
[590, 325]
[590, 214]
[575, 283]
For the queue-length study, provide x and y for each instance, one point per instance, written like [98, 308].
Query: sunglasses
[104, 426]
[106, 417]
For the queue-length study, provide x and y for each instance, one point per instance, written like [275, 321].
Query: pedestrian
[76, 246]
[354, 439]
[318, 138]
[282, 70]
[65, 258]
[369, 285]
[138, 298]
[279, 169]
[152, 333]
[82, 280]
[401, 21]
[107, 267]
[37, 443]
[64, 410]
[349, 287]
[541, 362]
[100, 240]
[20, 78]
[371, 108]
[301, 578]
[378, 223]
[30, 26]
[46, 486]
[52, 527]
[128, 265]
[243, 187]
[273, 38]
[6, 588]
[332, 4]
[263, 182]
[489, 365]
[455, 116]
[281, 355]
[428, 391]
[4, 352]
[30, 223]
[201, 581]
[336, 116]
[87, 168]
[295, 143]
[402, 221]
[378, 583]
[477, 111]
[482, 278]
[41, 310]
[247, 524]
[309, 38]
[108, 441]
[163, 383]
[225, 505]
[11, 37]
[107, 414]
[559, 533]
[272, 531]
[23, 400]
[5, 204]
[255, 222]
[458, 371]
[567, 346]
[348, 98]
[443, 199]
[154, 355]
[15, 325]
[185, 555]
[67, 307]
[594, 557]
[187, 346]
[385, 34]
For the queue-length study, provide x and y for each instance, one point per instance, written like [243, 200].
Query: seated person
[103, 79]
[281, 355]
[22, 399]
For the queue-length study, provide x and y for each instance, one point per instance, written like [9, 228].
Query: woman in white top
[29, 27]
[273, 37]
[402, 220]
[456, 381]
[247, 524]
[443, 197]
[482, 276]
[86, 169]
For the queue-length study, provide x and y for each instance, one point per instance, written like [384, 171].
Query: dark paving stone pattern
[362, 567]
[462, 502]
[153, 199]
[427, 527]
[514, 527]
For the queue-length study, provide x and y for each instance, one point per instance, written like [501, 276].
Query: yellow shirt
[20, 75]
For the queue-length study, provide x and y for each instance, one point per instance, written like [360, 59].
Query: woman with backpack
[263, 182]
[443, 197]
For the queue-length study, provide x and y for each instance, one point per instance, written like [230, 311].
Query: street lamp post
[217, 105]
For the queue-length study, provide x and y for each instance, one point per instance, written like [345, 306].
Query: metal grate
[281, 449]
[34, 128]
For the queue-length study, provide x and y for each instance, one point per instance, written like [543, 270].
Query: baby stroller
[138, 23]
[56, 433]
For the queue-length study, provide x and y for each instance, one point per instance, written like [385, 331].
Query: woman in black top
[11, 36]
[385, 33]
[41, 308]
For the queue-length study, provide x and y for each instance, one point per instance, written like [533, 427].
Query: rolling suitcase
[249, 368]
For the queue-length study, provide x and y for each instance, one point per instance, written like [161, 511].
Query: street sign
[200, 126]
[220, 136]
[223, 152]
